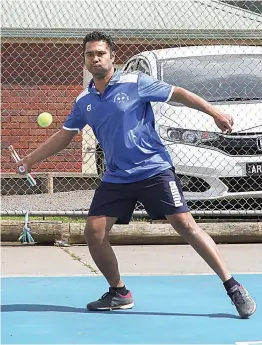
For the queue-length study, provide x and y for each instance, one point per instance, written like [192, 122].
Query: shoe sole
[249, 314]
[125, 306]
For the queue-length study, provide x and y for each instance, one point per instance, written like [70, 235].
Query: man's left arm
[191, 100]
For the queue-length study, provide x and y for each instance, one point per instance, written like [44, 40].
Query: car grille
[242, 183]
[235, 184]
[220, 205]
[237, 144]
[193, 184]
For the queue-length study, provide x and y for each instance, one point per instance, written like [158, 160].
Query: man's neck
[101, 83]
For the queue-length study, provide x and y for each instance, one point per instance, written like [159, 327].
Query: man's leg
[162, 195]
[111, 203]
[96, 235]
[186, 226]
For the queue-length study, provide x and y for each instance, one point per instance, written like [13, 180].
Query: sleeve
[153, 90]
[74, 121]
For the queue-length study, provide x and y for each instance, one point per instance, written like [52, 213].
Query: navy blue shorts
[160, 195]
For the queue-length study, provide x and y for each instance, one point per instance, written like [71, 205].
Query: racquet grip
[21, 168]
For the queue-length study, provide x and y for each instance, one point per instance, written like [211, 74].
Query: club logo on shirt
[121, 97]
[88, 108]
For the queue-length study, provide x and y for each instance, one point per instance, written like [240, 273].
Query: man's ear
[113, 55]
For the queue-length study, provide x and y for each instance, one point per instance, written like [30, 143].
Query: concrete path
[34, 260]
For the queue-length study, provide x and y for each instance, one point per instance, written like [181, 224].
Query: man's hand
[25, 165]
[57, 142]
[224, 122]
[191, 100]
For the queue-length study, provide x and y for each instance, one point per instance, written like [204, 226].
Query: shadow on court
[55, 308]
[66, 309]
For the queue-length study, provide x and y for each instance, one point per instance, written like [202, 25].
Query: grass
[64, 219]
[76, 257]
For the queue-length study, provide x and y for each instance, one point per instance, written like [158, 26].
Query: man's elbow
[179, 95]
[65, 136]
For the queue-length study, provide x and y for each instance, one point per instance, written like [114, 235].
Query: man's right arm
[56, 143]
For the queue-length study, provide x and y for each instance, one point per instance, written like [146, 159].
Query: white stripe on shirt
[71, 129]
[170, 94]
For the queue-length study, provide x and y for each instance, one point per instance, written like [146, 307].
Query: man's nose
[95, 59]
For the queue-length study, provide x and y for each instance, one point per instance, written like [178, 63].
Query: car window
[143, 66]
[216, 78]
[131, 66]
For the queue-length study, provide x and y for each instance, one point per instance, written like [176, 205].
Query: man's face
[98, 59]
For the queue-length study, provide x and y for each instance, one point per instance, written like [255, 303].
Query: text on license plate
[254, 169]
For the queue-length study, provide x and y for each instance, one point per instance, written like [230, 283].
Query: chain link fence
[212, 48]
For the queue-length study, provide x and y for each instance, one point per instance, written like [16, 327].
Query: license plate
[254, 169]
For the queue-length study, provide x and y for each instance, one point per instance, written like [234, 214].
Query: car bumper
[219, 176]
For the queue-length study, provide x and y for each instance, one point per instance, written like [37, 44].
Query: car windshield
[216, 78]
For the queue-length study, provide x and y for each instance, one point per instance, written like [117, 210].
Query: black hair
[99, 36]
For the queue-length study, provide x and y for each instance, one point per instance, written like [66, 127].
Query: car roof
[169, 53]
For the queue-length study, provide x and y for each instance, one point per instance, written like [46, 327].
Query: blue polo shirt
[123, 122]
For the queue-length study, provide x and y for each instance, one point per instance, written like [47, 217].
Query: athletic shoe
[244, 304]
[112, 300]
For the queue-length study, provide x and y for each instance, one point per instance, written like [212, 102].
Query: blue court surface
[168, 310]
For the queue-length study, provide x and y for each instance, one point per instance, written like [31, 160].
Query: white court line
[238, 343]
[49, 276]
[183, 274]
[249, 343]
[123, 274]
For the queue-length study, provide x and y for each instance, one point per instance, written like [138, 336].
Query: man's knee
[97, 229]
[184, 224]
[187, 228]
[94, 234]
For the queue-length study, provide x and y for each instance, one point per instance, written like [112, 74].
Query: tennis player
[116, 105]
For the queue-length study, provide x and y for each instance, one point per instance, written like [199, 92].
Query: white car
[211, 165]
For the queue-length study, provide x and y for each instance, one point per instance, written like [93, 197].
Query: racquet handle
[21, 169]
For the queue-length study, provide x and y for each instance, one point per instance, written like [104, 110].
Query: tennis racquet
[21, 169]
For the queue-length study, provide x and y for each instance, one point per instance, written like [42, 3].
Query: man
[117, 107]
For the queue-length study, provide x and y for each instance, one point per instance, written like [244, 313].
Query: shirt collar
[114, 79]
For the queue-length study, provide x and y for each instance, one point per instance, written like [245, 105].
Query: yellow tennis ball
[44, 119]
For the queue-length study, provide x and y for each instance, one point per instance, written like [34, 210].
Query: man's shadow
[6, 308]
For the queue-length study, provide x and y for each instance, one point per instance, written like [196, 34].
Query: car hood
[247, 117]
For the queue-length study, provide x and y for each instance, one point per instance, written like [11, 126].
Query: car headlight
[186, 136]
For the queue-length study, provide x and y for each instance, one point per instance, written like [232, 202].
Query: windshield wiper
[243, 99]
